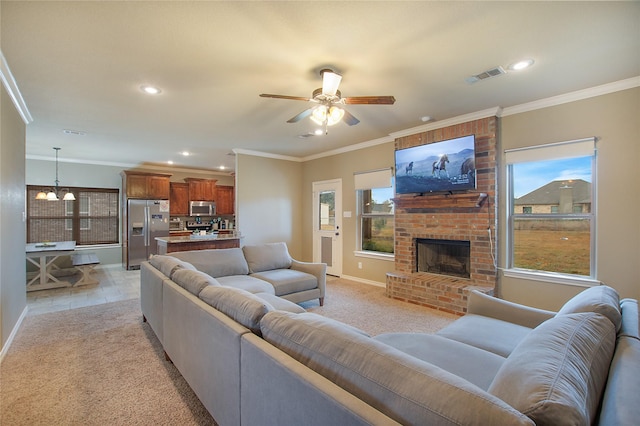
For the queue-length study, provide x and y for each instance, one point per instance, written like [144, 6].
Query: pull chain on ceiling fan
[330, 110]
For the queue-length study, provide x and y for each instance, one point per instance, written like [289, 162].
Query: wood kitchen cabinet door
[148, 186]
[225, 200]
[158, 187]
[179, 199]
[202, 189]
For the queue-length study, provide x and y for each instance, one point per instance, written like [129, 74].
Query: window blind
[552, 151]
[373, 179]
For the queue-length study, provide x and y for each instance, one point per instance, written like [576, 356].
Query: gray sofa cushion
[404, 388]
[490, 334]
[556, 375]
[169, 264]
[193, 281]
[216, 262]
[281, 304]
[248, 283]
[601, 299]
[286, 281]
[242, 306]
[449, 355]
[265, 257]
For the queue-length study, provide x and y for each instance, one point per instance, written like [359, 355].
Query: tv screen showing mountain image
[445, 166]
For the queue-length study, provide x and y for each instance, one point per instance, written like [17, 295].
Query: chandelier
[52, 193]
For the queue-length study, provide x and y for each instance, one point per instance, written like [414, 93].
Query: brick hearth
[463, 217]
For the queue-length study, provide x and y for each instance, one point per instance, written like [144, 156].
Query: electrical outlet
[359, 265]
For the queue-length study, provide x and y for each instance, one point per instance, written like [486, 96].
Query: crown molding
[350, 148]
[267, 155]
[14, 92]
[578, 95]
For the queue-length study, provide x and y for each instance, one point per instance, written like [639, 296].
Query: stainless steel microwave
[202, 208]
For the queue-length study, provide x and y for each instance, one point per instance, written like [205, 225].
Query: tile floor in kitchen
[116, 284]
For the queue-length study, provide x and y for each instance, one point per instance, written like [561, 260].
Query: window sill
[551, 277]
[375, 255]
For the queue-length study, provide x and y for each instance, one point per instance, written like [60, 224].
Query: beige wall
[613, 119]
[13, 298]
[268, 201]
[343, 167]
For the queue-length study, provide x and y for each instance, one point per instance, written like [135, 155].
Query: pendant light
[52, 194]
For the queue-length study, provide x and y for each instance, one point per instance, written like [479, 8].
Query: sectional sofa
[254, 358]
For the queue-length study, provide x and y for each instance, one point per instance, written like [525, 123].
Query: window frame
[74, 215]
[512, 215]
[361, 215]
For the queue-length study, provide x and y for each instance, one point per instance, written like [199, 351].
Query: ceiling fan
[329, 100]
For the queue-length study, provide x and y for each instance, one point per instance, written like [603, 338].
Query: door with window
[327, 225]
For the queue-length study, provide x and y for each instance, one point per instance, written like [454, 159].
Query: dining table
[43, 256]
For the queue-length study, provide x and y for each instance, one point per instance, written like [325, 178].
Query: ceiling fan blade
[303, 114]
[370, 100]
[330, 82]
[293, 98]
[349, 118]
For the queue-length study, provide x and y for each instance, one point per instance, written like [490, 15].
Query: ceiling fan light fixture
[319, 114]
[330, 82]
[335, 115]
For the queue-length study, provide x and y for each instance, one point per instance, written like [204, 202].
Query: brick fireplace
[459, 219]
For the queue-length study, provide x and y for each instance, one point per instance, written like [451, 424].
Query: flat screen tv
[438, 167]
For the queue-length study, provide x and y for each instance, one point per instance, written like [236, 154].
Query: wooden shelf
[469, 200]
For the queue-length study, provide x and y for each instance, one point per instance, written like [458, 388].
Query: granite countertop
[195, 238]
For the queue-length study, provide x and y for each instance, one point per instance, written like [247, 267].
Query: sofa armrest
[489, 306]
[319, 270]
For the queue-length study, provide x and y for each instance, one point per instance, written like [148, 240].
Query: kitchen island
[197, 242]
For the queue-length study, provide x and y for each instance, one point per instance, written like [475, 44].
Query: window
[91, 219]
[376, 220]
[553, 187]
[374, 193]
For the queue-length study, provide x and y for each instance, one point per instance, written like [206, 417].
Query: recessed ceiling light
[318, 132]
[222, 167]
[520, 65]
[169, 162]
[150, 90]
[185, 153]
[425, 118]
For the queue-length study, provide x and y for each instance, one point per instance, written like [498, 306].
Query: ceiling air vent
[493, 72]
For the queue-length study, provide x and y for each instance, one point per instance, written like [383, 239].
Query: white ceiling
[79, 66]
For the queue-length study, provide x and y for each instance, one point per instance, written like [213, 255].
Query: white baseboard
[364, 281]
[5, 347]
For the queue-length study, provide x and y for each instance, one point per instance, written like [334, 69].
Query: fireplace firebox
[445, 257]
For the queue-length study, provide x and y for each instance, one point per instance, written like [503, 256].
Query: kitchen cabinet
[201, 189]
[146, 186]
[179, 199]
[225, 200]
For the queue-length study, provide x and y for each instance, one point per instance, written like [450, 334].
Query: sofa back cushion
[169, 264]
[404, 388]
[601, 299]
[557, 373]
[193, 281]
[240, 305]
[216, 262]
[265, 257]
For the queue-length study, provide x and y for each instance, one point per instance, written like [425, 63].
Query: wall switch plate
[359, 265]
[346, 214]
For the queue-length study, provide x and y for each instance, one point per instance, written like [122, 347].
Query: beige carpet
[101, 365]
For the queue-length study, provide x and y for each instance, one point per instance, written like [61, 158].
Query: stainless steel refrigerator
[146, 220]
